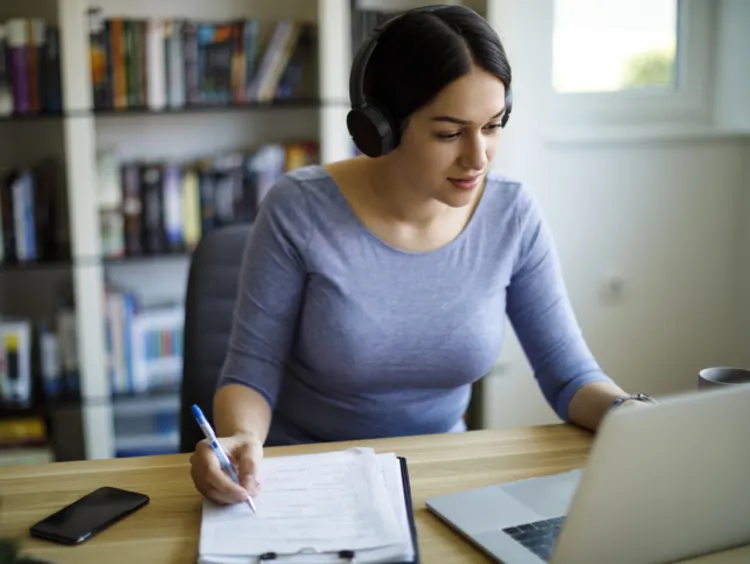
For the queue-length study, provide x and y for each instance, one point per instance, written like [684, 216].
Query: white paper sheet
[312, 506]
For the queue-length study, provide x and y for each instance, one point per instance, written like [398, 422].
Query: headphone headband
[357, 96]
[369, 125]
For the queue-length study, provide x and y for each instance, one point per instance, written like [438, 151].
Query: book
[15, 363]
[347, 505]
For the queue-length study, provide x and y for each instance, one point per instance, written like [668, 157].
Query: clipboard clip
[344, 555]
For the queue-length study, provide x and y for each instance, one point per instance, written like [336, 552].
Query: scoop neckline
[368, 233]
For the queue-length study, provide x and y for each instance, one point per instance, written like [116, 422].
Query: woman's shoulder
[297, 191]
[505, 187]
[290, 184]
[312, 173]
[510, 195]
[299, 201]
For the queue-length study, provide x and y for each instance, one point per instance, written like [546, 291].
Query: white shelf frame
[88, 275]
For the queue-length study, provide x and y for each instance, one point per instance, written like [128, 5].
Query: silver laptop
[663, 483]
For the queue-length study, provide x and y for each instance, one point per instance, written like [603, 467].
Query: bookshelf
[99, 421]
[35, 273]
[127, 425]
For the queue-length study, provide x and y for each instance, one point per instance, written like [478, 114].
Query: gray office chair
[209, 306]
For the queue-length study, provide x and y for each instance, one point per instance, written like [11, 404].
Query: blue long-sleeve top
[348, 337]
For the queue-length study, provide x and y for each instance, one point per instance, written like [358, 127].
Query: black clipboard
[409, 510]
[350, 555]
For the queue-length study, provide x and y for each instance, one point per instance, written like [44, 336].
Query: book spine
[132, 208]
[293, 73]
[34, 63]
[108, 86]
[223, 199]
[190, 53]
[142, 47]
[51, 79]
[152, 220]
[6, 85]
[250, 42]
[118, 349]
[204, 35]
[46, 183]
[19, 217]
[220, 64]
[132, 64]
[16, 345]
[67, 339]
[176, 63]
[279, 62]
[156, 64]
[238, 64]
[9, 228]
[119, 77]
[29, 204]
[98, 57]
[17, 44]
[191, 208]
[269, 60]
[49, 360]
[172, 198]
[207, 198]
[112, 233]
[129, 312]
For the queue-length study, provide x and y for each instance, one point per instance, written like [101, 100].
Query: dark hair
[421, 52]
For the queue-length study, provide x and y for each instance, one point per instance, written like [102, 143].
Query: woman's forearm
[239, 409]
[592, 402]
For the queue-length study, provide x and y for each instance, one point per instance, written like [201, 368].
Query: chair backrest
[209, 307]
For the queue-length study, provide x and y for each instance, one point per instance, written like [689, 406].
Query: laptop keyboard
[539, 537]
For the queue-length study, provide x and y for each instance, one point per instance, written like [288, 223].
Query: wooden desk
[166, 531]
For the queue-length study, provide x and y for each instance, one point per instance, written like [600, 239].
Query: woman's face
[448, 145]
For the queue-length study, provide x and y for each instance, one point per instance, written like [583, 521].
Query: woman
[373, 291]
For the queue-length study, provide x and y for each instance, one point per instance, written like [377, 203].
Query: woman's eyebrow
[459, 121]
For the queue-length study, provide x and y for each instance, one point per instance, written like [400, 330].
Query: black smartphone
[88, 515]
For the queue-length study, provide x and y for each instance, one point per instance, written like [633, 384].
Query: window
[630, 62]
[614, 45]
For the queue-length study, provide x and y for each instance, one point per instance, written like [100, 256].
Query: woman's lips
[466, 183]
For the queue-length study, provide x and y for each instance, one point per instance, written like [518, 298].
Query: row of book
[33, 214]
[144, 344]
[30, 81]
[174, 63]
[38, 361]
[158, 207]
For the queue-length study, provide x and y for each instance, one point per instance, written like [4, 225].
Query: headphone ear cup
[371, 130]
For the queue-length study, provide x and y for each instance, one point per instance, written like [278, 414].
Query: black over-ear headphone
[372, 130]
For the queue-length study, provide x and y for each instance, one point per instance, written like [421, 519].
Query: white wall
[661, 214]
[663, 219]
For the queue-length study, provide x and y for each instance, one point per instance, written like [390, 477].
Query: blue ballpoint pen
[226, 464]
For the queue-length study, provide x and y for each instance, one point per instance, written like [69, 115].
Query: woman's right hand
[245, 452]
